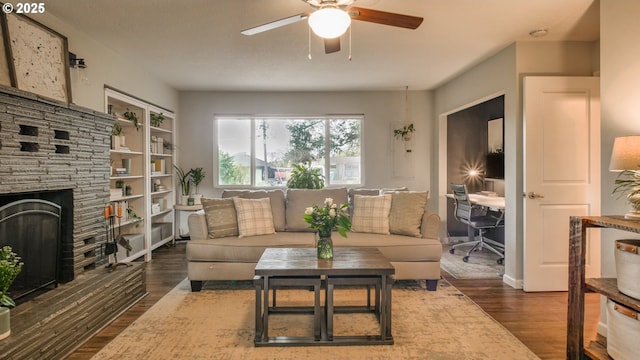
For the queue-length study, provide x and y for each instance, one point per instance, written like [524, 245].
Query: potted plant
[10, 267]
[404, 133]
[197, 175]
[156, 119]
[628, 181]
[305, 177]
[184, 178]
[131, 116]
[117, 139]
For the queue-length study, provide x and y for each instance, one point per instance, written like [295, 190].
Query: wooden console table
[578, 286]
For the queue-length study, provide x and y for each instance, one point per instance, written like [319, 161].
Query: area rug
[481, 264]
[218, 323]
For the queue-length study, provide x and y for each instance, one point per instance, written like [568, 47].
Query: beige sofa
[234, 258]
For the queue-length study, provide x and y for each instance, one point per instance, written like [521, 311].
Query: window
[259, 151]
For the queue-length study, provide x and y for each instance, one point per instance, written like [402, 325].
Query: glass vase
[325, 246]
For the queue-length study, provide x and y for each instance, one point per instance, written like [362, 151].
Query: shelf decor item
[156, 119]
[324, 220]
[131, 116]
[627, 256]
[10, 267]
[625, 158]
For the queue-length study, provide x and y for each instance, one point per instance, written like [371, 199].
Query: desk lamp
[625, 158]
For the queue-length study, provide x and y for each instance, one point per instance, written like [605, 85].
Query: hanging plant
[404, 133]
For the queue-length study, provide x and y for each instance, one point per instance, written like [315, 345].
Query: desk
[491, 202]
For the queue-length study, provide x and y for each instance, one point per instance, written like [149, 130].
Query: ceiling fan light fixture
[329, 22]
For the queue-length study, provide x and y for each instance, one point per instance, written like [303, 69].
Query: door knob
[533, 195]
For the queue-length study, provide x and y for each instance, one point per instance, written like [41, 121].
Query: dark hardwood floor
[539, 320]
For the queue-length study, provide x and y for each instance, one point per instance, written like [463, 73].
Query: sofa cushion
[300, 199]
[407, 208]
[277, 202]
[353, 192]
[394, 247]
[254, 216]
[221, 217]
[248, 249]
[371, 214]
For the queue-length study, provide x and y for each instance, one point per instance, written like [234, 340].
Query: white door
[561, 175]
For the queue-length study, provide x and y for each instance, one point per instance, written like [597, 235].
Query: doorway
[474, 157]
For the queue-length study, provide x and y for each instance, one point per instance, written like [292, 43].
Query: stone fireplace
[54, 185]
[46, 147]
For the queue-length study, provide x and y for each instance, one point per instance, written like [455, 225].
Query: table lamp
[625, 158]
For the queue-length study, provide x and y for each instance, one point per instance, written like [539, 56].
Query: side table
[178, 210]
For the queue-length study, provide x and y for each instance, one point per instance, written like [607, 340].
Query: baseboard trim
[516, 284]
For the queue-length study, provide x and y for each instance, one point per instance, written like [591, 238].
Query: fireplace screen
[32, 228]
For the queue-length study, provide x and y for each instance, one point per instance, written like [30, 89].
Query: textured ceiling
[197, 45]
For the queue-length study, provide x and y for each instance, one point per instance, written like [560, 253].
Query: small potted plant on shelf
[197, 175]
[184, 179]
[156, 119]
[117, 139]
[10, 267]
[131, 116]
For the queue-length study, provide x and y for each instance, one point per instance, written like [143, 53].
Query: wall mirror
[495, 137]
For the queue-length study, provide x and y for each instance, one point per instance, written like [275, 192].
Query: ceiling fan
[333, 17]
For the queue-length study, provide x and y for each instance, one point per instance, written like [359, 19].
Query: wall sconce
[625, 158]
[80, 65]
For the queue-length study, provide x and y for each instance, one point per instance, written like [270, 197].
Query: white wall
[502, 74]
[620, 89]
[380, 109]
[105, 66]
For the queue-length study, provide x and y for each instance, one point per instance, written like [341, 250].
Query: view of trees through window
[260, 151]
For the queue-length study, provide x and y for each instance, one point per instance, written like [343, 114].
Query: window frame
[252, 171]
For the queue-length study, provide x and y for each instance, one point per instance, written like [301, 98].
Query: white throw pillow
[371, 214]
[254, 216]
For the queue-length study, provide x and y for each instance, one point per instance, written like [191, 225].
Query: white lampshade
[625, 154]
[329, 23]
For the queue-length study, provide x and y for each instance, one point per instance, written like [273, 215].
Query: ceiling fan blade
[385, 18]
[274, 24]
[331, 45]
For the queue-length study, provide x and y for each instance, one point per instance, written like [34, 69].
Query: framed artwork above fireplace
[37, 56]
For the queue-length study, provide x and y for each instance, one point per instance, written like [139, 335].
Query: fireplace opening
[39, 228]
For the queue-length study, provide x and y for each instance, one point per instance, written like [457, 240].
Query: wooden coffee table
[300, 267]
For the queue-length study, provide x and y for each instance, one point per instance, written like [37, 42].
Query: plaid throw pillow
[371, 214]
[254, 216]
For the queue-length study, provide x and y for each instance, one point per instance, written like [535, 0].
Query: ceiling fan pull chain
[309, 30]
[349, 43]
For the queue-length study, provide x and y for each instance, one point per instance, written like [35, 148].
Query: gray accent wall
[77, 160]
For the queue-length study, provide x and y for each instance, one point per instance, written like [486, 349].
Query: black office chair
[477, 218]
